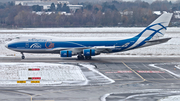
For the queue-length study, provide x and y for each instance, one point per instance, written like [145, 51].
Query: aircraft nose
[6, 45]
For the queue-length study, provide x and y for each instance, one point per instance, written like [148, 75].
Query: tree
[52, 8]
[106, 6]
[65, 8]
[2, 6]
[89, 7]
[59, 7]
[124, 13]
[22, 19]
[11, 3]
[37, 8]
[144, 4]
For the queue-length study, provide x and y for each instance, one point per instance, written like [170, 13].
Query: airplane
[86, 48]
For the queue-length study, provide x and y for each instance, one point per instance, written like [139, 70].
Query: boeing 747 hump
[85, 49]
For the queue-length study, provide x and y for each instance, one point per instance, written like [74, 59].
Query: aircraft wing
[103, 49]
[99, 49]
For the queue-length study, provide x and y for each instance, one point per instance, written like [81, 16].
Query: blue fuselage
[50, 46]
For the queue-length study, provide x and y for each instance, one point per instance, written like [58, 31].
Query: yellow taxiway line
[134, 71]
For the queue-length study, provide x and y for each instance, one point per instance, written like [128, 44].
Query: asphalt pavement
[136, 79]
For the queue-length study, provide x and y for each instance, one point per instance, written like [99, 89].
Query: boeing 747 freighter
[86, 48]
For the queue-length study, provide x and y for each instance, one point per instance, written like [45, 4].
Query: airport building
[74, 7]
[177, 14]
[46, 4]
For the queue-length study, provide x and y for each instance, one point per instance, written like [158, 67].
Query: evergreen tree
[52, 8]
[37, 8]
[59, 7]
[65, 8]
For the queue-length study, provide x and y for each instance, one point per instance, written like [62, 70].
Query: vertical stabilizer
[155, 30]
[158, 27]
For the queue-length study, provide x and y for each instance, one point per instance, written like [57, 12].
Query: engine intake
[89, 52]
[66, 53]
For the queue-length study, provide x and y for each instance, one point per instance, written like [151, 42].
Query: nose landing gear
[23, 57]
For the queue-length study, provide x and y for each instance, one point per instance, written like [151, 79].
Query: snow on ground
[177, 66]
[93, 29]
[144, 94]
[171, 98]
[53, 74]
[49, 72]
[170, 48]
[105, 29]
[91, 68]
[166, 70]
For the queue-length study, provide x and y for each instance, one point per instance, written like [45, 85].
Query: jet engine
[66, 53]
[89, 52]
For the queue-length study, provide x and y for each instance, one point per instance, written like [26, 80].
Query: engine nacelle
[66, 53]
[89, 52]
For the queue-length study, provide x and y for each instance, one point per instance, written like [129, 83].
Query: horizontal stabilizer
[159, 40]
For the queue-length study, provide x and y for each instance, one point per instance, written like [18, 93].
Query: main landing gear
[23, 57]
[82, 57]
[88, 57]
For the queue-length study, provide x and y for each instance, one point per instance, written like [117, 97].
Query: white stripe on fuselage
[141, 38]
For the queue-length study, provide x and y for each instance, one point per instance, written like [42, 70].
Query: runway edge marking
[134, 71]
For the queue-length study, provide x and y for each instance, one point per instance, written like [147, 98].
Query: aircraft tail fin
[157, 28]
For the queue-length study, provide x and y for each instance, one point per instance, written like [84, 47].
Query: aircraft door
[27, 45]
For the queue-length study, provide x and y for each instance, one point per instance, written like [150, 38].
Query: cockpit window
[17, 37]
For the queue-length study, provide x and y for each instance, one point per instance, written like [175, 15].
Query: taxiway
[135, 79]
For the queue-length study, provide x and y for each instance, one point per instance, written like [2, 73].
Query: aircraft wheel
[80, 57]
[88, 57]
[23, 57]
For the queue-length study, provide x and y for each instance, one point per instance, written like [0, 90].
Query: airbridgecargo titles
[86, 48]
[37, 40]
